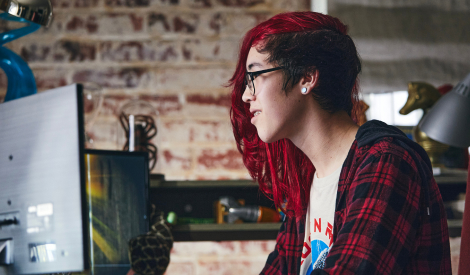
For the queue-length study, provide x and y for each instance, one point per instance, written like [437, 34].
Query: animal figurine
[422, 95]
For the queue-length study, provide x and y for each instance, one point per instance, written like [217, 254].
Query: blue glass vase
[20, 77]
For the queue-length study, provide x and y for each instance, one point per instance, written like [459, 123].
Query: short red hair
[283, 171]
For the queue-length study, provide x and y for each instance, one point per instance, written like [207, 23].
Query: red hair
[283, 172]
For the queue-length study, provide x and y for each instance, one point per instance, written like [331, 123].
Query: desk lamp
[36, 13]
[449, 122]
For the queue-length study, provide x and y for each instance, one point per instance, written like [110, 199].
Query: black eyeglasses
[250, 78]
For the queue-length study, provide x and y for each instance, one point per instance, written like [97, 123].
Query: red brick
[165, 2]
[58, 51]
[64, 4]
[96, 24]
[300, 5]
[127, 3]
[139, 51]
[208, 106]
[188, 80]
[203, 50]
[165, 104]
[170, 51]
[210, 100]
[161, 23]
[257, 247]
[112, 103]
[204, 24]
[201, 3]
[180, 268]
[87, 24]
[50, 78]
[230, 267]
[219, 174]
[203, 249]
[114, 78]
[229, 159]
[175, 159]
[230, 24]
[240, 3]
[186, 130]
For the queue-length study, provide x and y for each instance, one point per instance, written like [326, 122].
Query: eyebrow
[254, 64]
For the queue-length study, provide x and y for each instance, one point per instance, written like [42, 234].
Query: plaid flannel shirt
[381, 223]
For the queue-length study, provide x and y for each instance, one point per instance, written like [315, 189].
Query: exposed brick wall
[176, 55]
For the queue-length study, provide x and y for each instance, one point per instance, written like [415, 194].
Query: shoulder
[389, 148]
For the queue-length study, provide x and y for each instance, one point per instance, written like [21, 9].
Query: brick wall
[176, 55]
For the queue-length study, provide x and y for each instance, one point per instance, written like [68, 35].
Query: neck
[326, 140]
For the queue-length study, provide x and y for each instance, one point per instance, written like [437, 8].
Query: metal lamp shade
[448, 121]
[36, 11]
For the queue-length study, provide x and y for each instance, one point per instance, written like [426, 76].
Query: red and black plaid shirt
[381, 221]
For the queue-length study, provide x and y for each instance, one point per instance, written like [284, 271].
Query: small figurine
[422, 95]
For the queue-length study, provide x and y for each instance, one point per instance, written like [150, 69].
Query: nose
[247, 96]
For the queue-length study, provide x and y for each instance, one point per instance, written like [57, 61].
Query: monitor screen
[42, 204]
[117, 192]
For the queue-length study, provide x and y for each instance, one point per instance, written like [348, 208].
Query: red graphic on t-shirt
[329, 233]
[309, 250]
[317, 224]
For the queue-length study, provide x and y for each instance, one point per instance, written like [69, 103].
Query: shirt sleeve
[381, 218]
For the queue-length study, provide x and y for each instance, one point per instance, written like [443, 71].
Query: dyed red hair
[283, 171]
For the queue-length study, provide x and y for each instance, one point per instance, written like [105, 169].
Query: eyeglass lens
[250, 84]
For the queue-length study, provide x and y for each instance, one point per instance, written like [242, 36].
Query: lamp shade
[448, 121]
[36, 11]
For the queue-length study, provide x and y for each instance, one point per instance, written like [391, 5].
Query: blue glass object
[21, 80]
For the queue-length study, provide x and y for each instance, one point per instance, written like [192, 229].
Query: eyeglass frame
[253, 75]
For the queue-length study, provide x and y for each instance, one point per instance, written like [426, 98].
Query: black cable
[9, 221]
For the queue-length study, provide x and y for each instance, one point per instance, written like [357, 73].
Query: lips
[255, 113]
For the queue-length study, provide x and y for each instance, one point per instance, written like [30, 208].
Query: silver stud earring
[304, 90]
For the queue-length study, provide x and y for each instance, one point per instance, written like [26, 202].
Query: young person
[358, 200]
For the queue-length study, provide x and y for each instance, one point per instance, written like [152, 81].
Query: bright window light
[386, 107]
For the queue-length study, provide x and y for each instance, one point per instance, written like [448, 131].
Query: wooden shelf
[455, 228]
[225, 232]
[450, 176]
[445, 176]
[155, 183]
[250, 231]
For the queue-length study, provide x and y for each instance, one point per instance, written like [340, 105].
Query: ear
[309, 81]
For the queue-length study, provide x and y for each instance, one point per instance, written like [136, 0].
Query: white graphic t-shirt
[319, 222]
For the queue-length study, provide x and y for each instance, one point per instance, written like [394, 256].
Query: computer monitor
[42, 189]
[117, 192]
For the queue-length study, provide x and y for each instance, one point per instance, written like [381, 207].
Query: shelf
[450, 176]
[198, 197]
[250, 231]
[225, 232]
[455, 228]
[454, 223]
[157, 181]
[444, 176]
